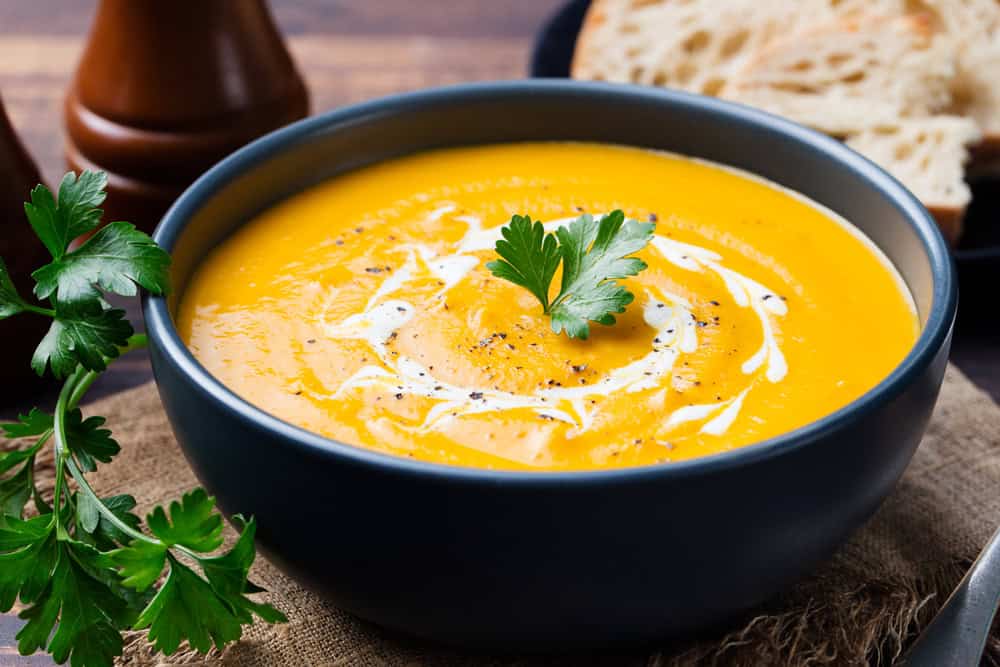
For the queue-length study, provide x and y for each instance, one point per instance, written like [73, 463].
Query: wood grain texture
[347, 50]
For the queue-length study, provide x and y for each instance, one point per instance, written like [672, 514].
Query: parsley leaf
[19, 533]
[85, 437]
[35, 422]
[140, 563]
[228, 576]
[25, 570]
[11, 302]
[186, 607]
[15, 491]
[115, 259]
[107, 535]
[86, 334]
[88, 441]
[10, 459]
[594, 255]
[194, 523]
[530, 257]
[202, 611]
[88, 513]
[88, 612]
[76, 213]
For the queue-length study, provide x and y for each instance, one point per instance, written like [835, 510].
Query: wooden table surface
[348, 50]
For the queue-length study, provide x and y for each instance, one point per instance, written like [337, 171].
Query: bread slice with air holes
[884, 84]
[694, 45]
[975, 25]
[851, 74]
[926, 155]
[790, 58]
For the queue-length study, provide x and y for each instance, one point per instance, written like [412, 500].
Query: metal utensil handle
[957, 635]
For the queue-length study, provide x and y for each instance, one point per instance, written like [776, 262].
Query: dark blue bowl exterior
[523, 560]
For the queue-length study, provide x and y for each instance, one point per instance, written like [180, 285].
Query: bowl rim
[163, 333]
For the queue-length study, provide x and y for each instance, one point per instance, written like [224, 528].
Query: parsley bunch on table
[82, 564]
[594, 255]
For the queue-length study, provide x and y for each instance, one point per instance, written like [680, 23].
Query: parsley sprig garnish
[82, 563]
[594, 254]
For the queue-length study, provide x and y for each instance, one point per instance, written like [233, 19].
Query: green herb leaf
[11, 302]
[188, 608]
[88, 441]
[25, 571]
[193, 523]
[18, 533]
[76, 213]
[228, 576]
[15, 491]
[85, 437]
[85, 334]
[530, 257]
[115, 259]
[594, 254]
[108, 536]
[140, 563]
[88, 612]
[34, 423]
[12, 458]
[88, 513]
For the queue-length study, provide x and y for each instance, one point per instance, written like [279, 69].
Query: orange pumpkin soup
[362, 310]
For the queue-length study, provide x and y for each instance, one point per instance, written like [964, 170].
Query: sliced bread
[694, 45]
[678, 43]
[926, 155]
[975, 27]
[850, 74]
[888, 76]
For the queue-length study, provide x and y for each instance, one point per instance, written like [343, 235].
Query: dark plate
[978, 253]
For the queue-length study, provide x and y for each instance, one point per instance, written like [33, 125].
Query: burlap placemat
[861, 608]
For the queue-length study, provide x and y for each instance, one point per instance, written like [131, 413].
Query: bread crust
[646, 41]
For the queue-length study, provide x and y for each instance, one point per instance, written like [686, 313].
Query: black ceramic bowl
[546, 560]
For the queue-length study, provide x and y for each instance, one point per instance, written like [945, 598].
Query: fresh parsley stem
[42, 439]
[85, 489]
[72, 393]
[135, 342]
[62, 453]
[75, 388]
[47, 312]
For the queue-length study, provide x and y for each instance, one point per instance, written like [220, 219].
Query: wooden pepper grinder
[22, 252]
[164, 90]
